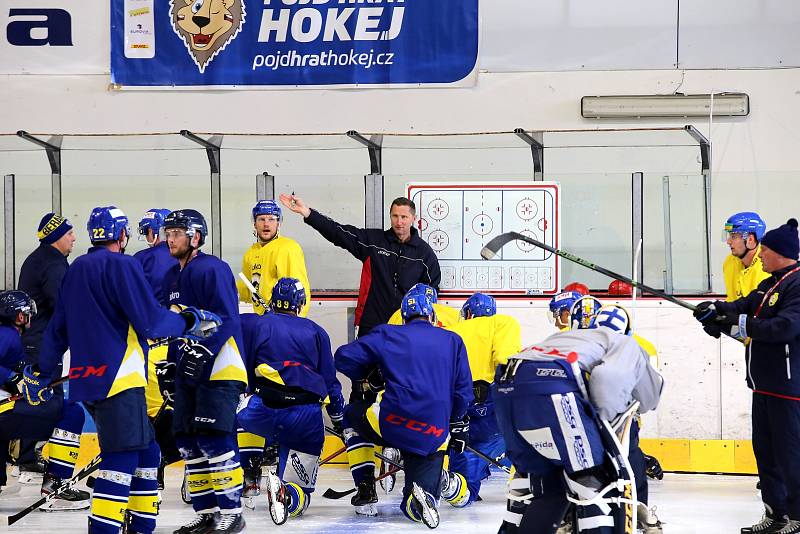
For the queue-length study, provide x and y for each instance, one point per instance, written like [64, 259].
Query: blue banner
[292, 42]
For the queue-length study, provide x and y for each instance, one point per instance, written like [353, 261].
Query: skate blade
[430, 515]
[60, 505]
[369, 510]
[30, 479]
[250, 503]
[388, 483]
[277, 506]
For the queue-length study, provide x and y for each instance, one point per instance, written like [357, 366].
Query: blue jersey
[156, 262]
[428, 381]
[291, 351]
[207, 282]
[11, 351]
[104, 314]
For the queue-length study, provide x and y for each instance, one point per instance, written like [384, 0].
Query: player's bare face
[178, 242]
[736, 244]
[266, 227]
[402, 221]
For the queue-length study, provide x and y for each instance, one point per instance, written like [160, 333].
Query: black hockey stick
[492, 247]
[494, 461]
[331, 493]
[377, 454]
[20, 396]
[83, 473]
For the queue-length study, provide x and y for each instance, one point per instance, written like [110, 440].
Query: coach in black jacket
[394, 259]
[768, 320]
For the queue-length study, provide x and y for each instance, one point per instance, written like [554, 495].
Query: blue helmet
[153, 220]
[427, 289]
[417, 303]
[613, 317]
[564, 300]
[746, 222]
[583, 310]
[479, 305]
[14, 302]
[106, 223]
[288, 295]
[267, 207]
[190, 220]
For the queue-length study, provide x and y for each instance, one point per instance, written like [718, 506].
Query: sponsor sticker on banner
[293, 42]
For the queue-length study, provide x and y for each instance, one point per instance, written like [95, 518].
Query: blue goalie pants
[551, 431]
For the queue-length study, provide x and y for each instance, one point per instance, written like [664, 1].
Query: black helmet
[14, 302]
[190, 220]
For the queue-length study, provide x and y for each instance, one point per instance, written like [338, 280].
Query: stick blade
[331, 493]
[491, 248]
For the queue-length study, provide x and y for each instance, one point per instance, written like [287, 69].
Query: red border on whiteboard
[515, 185]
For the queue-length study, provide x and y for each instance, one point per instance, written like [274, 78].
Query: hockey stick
[493, 246]
[494, 461]
[167, 340]
[83, 473]
[253, 291]
[20, 396]
[331, 493]
[332, 456]
[377, 454]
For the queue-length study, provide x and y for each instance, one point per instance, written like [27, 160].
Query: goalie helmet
[743, 223]
[190, 220]
[427, 289]
[106, 223]
[613, 317]
[14, 302]
[583, 289]
[267, 207]
[288, 294]
[479, 305]
[417, 303]
[583, 311]
[152, 220]
[620, 288]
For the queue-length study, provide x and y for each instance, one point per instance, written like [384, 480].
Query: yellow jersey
[489, 342]
[152, 392]
[445, 316]
[741, 280]
[265, 264]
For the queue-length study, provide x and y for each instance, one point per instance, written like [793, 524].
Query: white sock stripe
[204, 492]
[115, 477]
[221, 458]
[109, 497]
[230, 511]
[364, 464]
[197, 470]
[106, 521]
[66, 442]
[226, 467]
[192, 461]
[59, 462]
[229, 490]
[360, 446]
[145, 492]
[143, 514]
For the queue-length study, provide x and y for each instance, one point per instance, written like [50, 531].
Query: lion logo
[206, 26]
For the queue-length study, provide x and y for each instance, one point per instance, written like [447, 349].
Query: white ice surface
[687, 504]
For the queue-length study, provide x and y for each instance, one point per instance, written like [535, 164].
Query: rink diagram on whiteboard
[457, 220]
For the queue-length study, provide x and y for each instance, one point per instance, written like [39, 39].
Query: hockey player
[271, 257]
[428, 386]
[290, 360]
[156, 262]
[768, 320]
[209, 379]
[560, 307]
[742, 269]
[490, 338]
[446, 316]
[553, 421]
[107, 291]
[19, 420]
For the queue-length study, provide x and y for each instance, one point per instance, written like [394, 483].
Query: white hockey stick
[253, 291]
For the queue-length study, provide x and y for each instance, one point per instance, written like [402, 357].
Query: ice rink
[686, 504]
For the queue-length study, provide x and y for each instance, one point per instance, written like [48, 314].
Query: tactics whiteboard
[457, 220]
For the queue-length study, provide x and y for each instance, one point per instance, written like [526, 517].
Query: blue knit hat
[52, 227]
[783, 240]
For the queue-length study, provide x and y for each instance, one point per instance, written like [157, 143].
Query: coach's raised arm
[394, 259]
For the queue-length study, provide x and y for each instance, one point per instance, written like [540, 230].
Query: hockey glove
[336, 412]
[35, 386]
[712, 330]
[735, 325]
[653, 468]
[165, 373]
[459, 435]
[706, 311]
[193, 360]
[200, 324]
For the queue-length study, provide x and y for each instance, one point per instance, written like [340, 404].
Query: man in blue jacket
[768, 321]
[428, 386]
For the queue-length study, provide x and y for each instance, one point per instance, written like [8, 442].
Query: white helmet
[613, 317]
